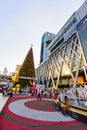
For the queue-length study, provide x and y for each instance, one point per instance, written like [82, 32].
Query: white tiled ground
[3, 100]
[20, 109]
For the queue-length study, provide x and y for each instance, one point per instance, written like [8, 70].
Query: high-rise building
[63, 35]
[17, 68]
[45, 41]
[66, 60]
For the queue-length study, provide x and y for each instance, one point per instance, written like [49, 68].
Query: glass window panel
[82, 32]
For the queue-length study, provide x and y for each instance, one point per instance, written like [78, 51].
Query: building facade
[66, 63]
[45, 41]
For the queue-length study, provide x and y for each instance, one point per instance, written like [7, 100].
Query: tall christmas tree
[27, 69]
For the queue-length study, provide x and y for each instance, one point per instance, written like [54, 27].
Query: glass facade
[42, 50]
[82, 32]
[45, 41]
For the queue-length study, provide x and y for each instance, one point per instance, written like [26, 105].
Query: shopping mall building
[63, 59]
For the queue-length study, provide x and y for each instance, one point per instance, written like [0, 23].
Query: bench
[77, 113]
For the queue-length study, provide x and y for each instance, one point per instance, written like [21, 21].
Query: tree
[27, 69]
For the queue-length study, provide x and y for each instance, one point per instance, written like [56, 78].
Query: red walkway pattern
[44, 105]
[12, 121]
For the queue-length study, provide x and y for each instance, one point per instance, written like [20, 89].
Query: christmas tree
[27, 69]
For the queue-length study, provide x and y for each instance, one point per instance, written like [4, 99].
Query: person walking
[38, 94]
[59, 104]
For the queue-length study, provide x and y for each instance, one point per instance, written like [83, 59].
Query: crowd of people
[62, 105]
[60, 98]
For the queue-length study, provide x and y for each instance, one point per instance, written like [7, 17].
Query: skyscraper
[45, 41]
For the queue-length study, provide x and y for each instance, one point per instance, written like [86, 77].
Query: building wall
[69, 27]
[66, 31]
[82, 33]
[82, 11]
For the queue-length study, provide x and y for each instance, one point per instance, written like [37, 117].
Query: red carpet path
[24, 112]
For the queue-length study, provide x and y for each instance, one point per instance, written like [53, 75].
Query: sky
[23, 22]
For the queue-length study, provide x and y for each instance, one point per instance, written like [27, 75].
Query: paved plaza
[25, 112]
[3, 101]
